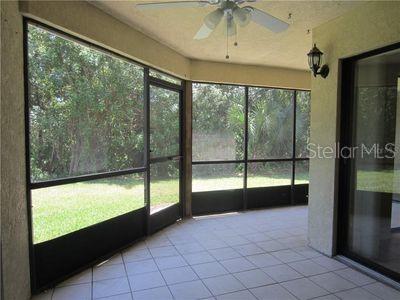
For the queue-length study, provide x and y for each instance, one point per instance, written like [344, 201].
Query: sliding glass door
[370, 189]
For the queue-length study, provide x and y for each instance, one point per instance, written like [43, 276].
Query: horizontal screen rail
[165, 84]
[252, 86]
[165, 158]
[275, 160]
[75, 179]
[211, 162]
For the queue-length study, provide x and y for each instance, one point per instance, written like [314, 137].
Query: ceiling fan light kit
[231, 27]
[228, 9]
[242, 16]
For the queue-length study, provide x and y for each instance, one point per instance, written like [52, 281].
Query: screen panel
[270, 123]
[62, 209]
[165, 77]
[218, 122]
[267, 174]
[217, 177]
[85, 109]
[164, 185]
[302, 172]
[164, 122]
[303, 110]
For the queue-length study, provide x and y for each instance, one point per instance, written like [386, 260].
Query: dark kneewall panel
[232, 200]
[217, 201]
[164, 218]
[61, 257]
[300, 194]
[268, 196]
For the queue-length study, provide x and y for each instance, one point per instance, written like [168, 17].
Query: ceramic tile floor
[259, 254]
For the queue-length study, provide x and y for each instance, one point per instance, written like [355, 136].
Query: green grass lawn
[63, 209]
[227, 183]
[384, 181]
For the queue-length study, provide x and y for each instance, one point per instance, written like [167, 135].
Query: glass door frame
[345, 180]
[174, 212]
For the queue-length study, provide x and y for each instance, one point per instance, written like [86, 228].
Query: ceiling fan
[230, 9]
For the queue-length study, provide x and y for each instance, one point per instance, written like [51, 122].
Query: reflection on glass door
[165, 159]
[372, 208]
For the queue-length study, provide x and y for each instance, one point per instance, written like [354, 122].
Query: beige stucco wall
[250, 75]
[14, 235]
[370, 26]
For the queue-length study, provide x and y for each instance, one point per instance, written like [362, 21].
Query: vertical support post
[246, 141]
[27, 159]
[146, 96]
[182, 146]
[292, 190]
[187, 155]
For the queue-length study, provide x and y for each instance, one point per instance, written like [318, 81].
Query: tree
[86, 108]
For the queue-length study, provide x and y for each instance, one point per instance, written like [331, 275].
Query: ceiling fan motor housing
[233, 13]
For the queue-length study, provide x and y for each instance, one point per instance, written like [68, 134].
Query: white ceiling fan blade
[268, 21]
[203, 32]
[173, 4]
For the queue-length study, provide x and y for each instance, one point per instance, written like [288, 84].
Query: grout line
[91, 284]
[202, 279]
[232, 274]
[193, 270]
[106, 297]
[357, 285]
[166, 284]
[127, 275]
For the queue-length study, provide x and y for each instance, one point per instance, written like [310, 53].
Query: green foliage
[270, 123]
[303, 109]
[86, 109]
[218, 117]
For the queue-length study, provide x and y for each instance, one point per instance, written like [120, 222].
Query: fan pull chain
[227, 41]
[236, 42]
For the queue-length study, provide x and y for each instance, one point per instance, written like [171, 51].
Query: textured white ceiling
[257, 45]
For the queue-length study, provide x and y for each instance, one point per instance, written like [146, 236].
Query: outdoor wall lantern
[314, 61]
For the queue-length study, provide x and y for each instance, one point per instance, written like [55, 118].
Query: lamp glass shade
[314, 58]
[310, 61]
[241, 16]
[231, 26]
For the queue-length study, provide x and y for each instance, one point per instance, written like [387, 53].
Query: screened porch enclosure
[106, 150]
